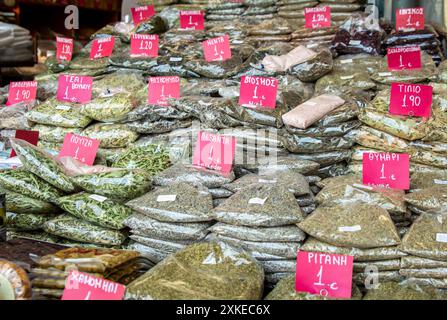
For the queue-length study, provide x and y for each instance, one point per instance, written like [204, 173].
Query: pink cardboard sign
[324, 274]
[79, 148]
[258, 91]
[410, 19]
[144, 45]
[83, 286]
[29, 136]
[73, 88]
[143, 13]
[192, 20]
[411, 100]
[404, 58]
[386, 170]
[163, 88]
[215, 152]
[318, 17]
[64, 48]
[102, 47]
[22, 91]
[217, 49]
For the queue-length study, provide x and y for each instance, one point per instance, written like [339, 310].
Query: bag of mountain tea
[26, 221]
[18, 203]
[433, 199]
[111, 135]
[54, 134]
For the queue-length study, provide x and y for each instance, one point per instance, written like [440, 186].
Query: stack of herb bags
[169, 218]
[405, 290]
[221, 11]
[259, 10]
[49, 275]
[277, 30]
[261, 218]
[313, 38]
[342, 9]
[293, 10]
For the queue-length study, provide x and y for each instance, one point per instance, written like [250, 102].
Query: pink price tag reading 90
[23, 91]
[324, 274]
[404, 58]
[318, 17]
[143, 13]
[79, 148]
[386, 170]
[258, 91]
[163, 88]
[217, 49]
[410, 19]
[75, 89]
[215, 152]
[192, 20]
[411, 100]
[144, 45]
[102, 48]
[64, 48]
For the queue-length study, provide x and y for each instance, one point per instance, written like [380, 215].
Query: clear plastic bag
[432, 199]
[300, 144]
[336, 130]
[382, 265]
[111, 135]
[413, 262]
[434, 273]
[18, 203]
[315, 68]
[153, 159]
[27, 221]
[54, 134]
[13, 117]
[147, 126]
[404, 291]
[168, 246]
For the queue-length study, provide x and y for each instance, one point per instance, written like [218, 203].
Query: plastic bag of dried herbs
[179, 202]
[208, 270]
[18, 203]
[111, 135]
[168, 246]
[61, 114]
[13, 117]
[28, 184]
[433, 200]
[337, 83]
[404, 291]
[43, 165]
[270, 165]
[34, 235]
[122, 81]
[26, 222]
[53, 133]
[314, 68]
[148, 126]
[151, 158]
[300, 144]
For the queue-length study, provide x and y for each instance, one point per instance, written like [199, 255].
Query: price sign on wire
[215, 152]
[64, 48]
[142, 14]
[23, 91]
[404, 58]
[83, 286]
[410, 19]
[258, 92]
[324, 274]
[192, 20]
[217, 49]
[386, 170]
[102, 48]
[411, 100]
[318, 17]
[163, 88]
[144, 45]
[79, 148]
[29, 136]
[75, 89]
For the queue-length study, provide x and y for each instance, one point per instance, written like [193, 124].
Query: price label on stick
[83, 286]
[324, 274]
[217, 49]
[215, 152]
[102, 47]
[79, 148]
[142, 14]
[144, 45]
[163, 88]
[410, 19]
[64, 48]
[76, 89]
[23, 91]
[411, 100]
[386, 170]
[404, 58]
[29, 136]
[318, 17]
[258, 91]
[192, 20]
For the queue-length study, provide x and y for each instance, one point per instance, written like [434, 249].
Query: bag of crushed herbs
[111, 135]
[208, 270]
[13, 117]
[314, 68]
[339, 84]
[148, 126]
[384, 265]
[26, 222]
[301, 144]
[54, 134]
[435, 273]
[335, 130]
[168, 246]
[412, 262]
[179, 202]
[270, 165]
[18, 203]
[433, 200]
[152, 159]
[43, 165]
[404, 291]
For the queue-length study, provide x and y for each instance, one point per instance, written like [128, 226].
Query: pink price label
[318, 17]
[144, 45]
[258, 91]
[404, 58]
[192, 20]
[73, 88]
[29, 136]
[217, 49]
[410, 19]
[84, 286]
[163, 88]
[142, 14]
[411, 100]
[79, 148]
[64, 48]
[23, 91]
[102, 47]
[386, 170]
[324, 274]
[215, 152]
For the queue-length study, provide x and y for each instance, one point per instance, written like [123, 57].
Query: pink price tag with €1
[215, 152]
[325, 274]
[411, 100]
[23, 91]
[318, 17]
[75, 89]
[144, 45]
[217, 49]
[64, 49]
[404, 58]
[142, 14]
[410, 19]
[258, 92]
[386, 170]
[79, 148]
[102, 47]
[163, 88]
[192, 20]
